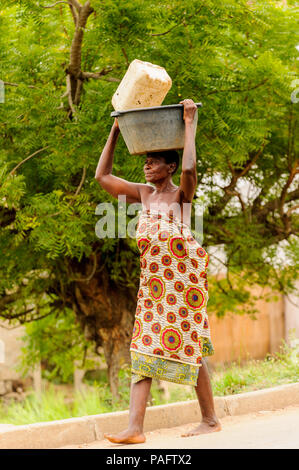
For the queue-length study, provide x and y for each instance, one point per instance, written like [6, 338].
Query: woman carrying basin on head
[171, 332]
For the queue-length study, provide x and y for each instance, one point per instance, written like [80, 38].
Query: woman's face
[155, 168]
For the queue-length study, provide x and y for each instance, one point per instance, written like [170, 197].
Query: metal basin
[153, 129]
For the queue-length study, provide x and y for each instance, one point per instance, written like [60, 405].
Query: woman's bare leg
[138, 399]
[210, 422]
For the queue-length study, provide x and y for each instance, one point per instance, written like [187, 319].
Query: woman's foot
[205, 427]
[126, 437]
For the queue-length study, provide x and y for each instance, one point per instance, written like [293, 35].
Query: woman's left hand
[189, 110]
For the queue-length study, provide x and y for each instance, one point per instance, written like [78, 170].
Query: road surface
[263, 430]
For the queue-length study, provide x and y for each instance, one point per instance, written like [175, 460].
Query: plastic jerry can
[143, 85]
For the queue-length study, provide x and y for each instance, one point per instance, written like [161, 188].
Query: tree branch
[81, 182]
[9, 298]
[69, 94]
[125, 55]
[62, 96]
[266, 186]
[111, 79]
[236, 89]
[7, 216]
[63, 25]
[251, 162]
[166, 32]
[17, 84]
[31, 319]
[78, 92]
[221, 288]
[76, 47]
[76, 4]
[236, 174]
[274, 204]
[87, 279]
[16, 315]
[286, 186]
[291, 209]
[74, 14]
[179, 24]
[236, 193]
[100, 74]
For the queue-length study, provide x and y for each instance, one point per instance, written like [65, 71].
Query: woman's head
[159, 165]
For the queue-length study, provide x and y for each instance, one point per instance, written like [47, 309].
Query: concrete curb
[87, 429]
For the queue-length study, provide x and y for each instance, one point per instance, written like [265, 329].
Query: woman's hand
[189, 110]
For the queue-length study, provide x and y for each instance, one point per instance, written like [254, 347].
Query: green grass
[275, 369]
[55, 403]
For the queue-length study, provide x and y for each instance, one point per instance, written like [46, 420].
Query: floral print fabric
[171, 321]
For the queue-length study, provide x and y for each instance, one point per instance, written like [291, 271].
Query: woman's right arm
[112, 184]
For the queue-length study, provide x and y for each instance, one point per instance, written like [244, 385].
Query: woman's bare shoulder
[146, 188]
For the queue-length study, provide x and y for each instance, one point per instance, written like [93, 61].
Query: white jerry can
[144, 85]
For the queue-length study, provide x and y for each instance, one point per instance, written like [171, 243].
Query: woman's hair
[170, 156]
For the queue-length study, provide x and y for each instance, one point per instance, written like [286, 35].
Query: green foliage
[276, 369]
[50, 407]
[56, 342]
[238, 58]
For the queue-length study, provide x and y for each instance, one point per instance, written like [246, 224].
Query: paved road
[263, 430]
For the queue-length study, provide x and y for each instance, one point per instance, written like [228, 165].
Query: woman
[171, 332]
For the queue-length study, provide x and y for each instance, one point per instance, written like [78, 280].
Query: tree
[60, 63]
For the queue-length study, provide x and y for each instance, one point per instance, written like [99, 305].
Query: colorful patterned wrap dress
[171, 331]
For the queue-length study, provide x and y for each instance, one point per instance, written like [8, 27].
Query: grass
[56, 403]
[275, 369]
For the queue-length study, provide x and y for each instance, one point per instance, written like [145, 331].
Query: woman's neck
[164, 186]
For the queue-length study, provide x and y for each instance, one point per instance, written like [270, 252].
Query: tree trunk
[106, 314]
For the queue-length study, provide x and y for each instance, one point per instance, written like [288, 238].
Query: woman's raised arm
[112, 184]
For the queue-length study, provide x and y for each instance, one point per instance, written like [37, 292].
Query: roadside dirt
[263, 430]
